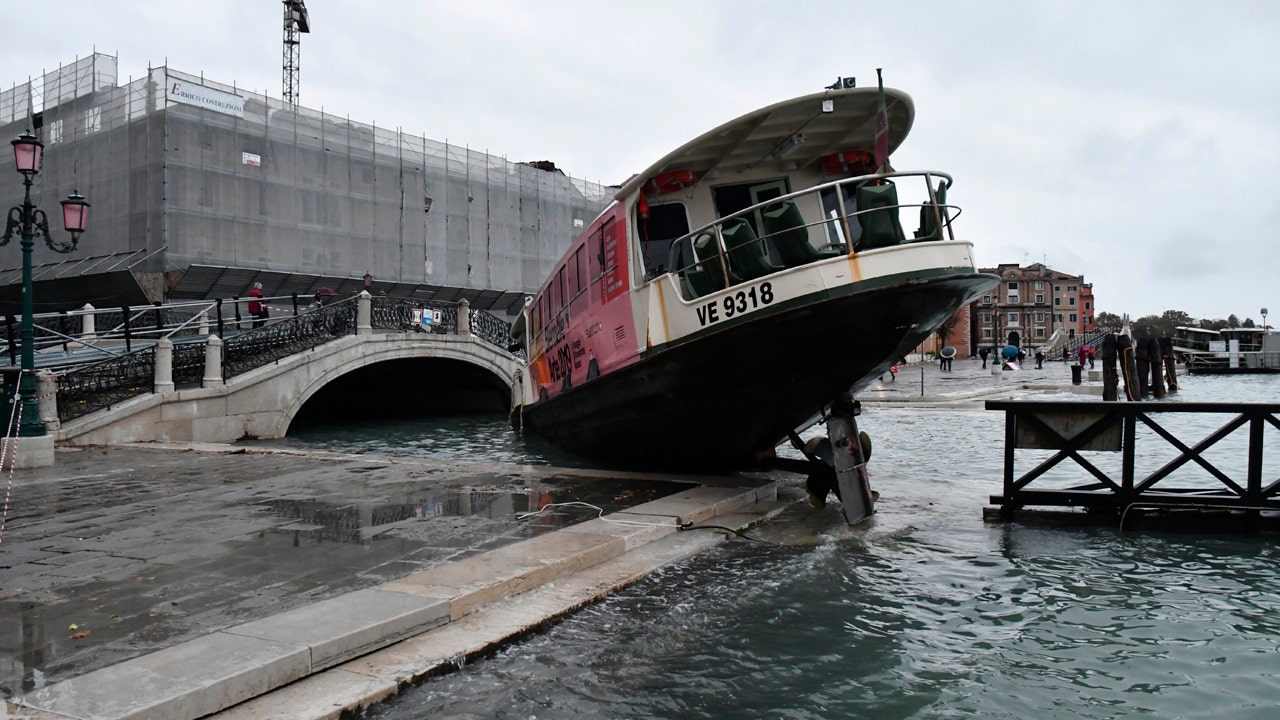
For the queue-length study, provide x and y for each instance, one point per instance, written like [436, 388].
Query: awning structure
[100, 280]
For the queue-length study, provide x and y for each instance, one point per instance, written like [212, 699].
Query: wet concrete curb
[333, 656]
[974, 397]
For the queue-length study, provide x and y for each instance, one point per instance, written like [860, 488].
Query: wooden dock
[1230, 491]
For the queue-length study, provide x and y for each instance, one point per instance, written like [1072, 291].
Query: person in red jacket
[257, 308]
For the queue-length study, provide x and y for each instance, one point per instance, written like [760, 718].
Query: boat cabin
[742, 207]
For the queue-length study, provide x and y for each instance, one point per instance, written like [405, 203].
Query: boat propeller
[839, 465]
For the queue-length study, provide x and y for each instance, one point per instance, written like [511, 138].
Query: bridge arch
[264, 402]
[449, 372]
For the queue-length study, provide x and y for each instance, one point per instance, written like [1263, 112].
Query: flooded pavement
[113, 553]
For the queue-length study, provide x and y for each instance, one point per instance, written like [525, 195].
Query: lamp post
[30, 222]
[995, 329]
[1264, 321]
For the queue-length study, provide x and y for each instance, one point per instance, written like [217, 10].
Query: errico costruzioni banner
[184, 91]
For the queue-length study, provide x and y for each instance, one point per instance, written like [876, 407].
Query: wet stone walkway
[116, 552]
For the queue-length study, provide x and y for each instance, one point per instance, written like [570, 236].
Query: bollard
[212, 362]
[164, 366]
[464, 317]
[88, 323]
[1076, 370]
[364, 313]
[47, 396]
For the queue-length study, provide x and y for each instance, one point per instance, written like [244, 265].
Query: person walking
[1039, 358]
[257, 308]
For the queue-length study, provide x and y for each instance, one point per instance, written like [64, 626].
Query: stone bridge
[370, 372]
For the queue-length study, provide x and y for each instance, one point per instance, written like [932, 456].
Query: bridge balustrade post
[202, 323]
[164, 366]
[47, 397]
[88, 323]
[464, 317]
[212, 362]
[364, 313]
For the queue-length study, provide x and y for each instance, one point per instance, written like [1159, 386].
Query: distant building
[1029, 305]
[200, 189]
[957, 335]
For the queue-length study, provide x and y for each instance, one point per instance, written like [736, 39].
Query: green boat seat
[878, 215]
[707, 274]
[929, 213]
[784, 225]
[746, 254]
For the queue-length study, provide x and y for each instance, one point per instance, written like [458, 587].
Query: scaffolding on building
[190, 178]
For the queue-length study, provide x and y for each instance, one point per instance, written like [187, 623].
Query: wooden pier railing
[1230, 480]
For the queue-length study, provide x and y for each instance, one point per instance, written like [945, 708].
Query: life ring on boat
[849, 162]
[669, 182]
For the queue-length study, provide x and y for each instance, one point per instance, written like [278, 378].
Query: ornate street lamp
[30, 222]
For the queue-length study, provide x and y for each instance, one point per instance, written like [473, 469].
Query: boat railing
[859, 213]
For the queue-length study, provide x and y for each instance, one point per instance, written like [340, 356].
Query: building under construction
[199, 189]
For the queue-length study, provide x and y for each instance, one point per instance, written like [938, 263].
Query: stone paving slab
[344, 627]
[491, 576]
[694, 505]
[633, 528]
[190, 680]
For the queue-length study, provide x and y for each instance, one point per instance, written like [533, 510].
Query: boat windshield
[780, 230]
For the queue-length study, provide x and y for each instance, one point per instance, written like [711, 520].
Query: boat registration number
[735, 303]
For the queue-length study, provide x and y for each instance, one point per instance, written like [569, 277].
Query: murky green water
[924, 612]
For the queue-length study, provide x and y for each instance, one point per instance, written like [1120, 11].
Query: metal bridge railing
[92, 386]
[99, 386]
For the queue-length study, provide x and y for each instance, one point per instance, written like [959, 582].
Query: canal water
[923, 612]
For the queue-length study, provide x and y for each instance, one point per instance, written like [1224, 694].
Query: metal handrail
[946, 215]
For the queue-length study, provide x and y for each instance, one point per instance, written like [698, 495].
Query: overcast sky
[1129, 142]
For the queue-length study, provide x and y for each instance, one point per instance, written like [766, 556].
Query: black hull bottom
[719, 402]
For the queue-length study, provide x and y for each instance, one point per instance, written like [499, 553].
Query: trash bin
[1075, 374]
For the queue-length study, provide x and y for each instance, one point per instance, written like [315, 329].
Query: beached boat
[742, 284]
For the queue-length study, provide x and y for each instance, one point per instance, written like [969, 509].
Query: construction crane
[296, 21]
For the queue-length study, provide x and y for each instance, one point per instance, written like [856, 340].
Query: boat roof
[754, 140]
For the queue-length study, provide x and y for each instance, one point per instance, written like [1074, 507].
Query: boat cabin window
[557, 292]
[729, 199]
[666, 223]
[578, 281]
